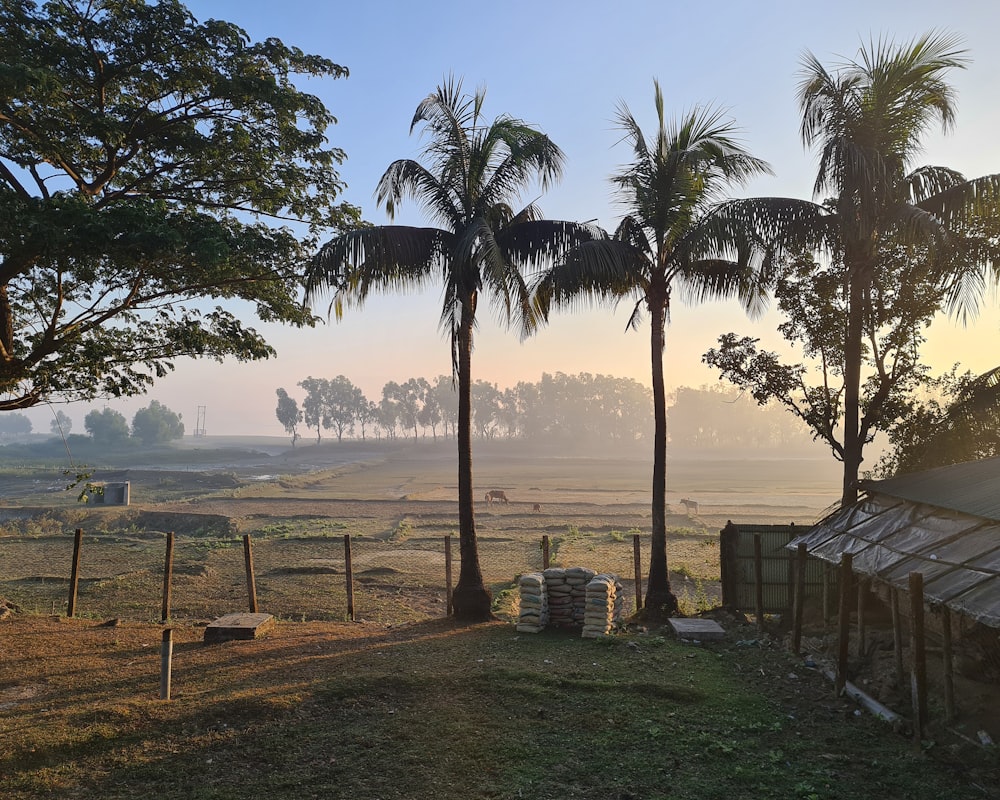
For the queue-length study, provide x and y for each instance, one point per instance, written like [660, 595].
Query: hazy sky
[563, 66]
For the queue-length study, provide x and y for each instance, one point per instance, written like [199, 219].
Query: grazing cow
[690, 506]
[536, 508]
[496, 496]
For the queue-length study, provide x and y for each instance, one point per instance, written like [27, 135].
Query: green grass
[482, 712]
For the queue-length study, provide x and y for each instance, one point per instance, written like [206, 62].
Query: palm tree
[673, 237]
[475, 171]
[867, 118]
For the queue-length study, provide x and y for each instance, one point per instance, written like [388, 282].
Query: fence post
[862, 622]
[728, 542]
[168, 571]
[918, 657]
[74, 574]
[897, 634]
[545, 551]
[949, 673]
[349, 576]
[798, 600]
[758, 579]
[251, 579]
[166, 662]
[844, 621]
[637, 559]
[449, 608]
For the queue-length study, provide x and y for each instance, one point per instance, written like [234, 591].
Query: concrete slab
[238, 626]
[704, 630]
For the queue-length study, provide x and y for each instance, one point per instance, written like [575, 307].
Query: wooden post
[844, 622]
[790, 583]
[758, 579]
[729, 538]
[827, 571]
[918, 657]
[74, 573]
[862, 627]
[349, 576]
[449, 608]
[897, 634]
[166, 662]
[949, 674]
[168, 571]
[799, 597]
[637, 560]
[545, 551]
[251, 579]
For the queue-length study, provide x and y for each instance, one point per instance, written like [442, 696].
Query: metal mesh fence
[296, 578]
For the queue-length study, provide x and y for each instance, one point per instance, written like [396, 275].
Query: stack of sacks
[577, 579]
[560, 596]
[534, 603]
[604, 606]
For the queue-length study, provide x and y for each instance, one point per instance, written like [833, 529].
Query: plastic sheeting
[888, 538]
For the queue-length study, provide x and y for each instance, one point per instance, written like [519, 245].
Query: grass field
[405, 704]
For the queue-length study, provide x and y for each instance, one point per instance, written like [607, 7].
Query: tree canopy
[157, 424]
[144, 158]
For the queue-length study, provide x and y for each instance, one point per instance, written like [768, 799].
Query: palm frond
[388, 257]
[595, 272]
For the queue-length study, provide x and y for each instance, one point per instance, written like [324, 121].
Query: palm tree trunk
[660, 601]
[852, 385]
[471, 599]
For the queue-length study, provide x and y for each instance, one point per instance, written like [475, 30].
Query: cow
[496, 496]
[690, 506]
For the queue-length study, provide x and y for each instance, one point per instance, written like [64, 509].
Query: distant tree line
[558, 408]
[154, 424]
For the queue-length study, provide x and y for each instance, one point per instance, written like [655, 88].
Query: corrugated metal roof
[890, 536]
[969, 488]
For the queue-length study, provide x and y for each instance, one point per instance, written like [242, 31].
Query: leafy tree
[368, 416]
[139, 150]
[486, 399]
[430, 415]
[61, 424]
[446, 397]
[867, 118]
[474, 173]
[14, 425]
[157, 424]
[289, 414]
[674, 237]
[106, 427]
[961, 422]
[314, 406]
[342, 403]
[903, 298]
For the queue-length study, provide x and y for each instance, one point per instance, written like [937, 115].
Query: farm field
[404, 703]
[398, 504]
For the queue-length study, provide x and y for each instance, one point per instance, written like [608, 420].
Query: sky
[564, 66]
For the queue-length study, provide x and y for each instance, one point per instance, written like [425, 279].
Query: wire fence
[151, 575]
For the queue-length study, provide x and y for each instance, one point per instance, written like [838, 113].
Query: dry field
[398, 505]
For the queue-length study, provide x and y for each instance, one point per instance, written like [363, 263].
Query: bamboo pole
[166, 662]
[74, 574]
[637, 561]
[918, 657]
[728, 543]
[758, 577]
[798, 598]
[948, 672]
[897, 634]
[844, 621]
[251, 578]
[349, 576]
[862, 622]
[168, 571]
[449, 606]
